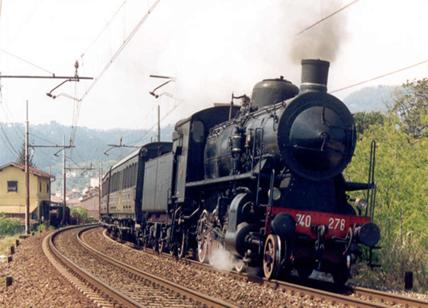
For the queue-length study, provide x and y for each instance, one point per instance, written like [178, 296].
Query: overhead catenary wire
[326, 17]
[26, 61]
[150, 130]
[9, 143]
[380, 76]
[131, 35]
[103, 29]
[120, 49]
[8, 118]
[27, 19]
[42, 138]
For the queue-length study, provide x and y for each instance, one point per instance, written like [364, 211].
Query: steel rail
[107, 292]
[333, 298]
[195, 296]
[390, 299]
[385, 299]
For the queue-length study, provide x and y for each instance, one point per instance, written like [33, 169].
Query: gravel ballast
[241, 293]
[36, 283]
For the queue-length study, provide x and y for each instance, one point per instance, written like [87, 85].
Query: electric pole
[169, 79]
[27, 172]
[64, 203]
[62, 148]
[159, 132]
[100, 189]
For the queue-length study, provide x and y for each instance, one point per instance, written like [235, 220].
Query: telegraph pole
[62, 148]
[153, 92]
[27, 172]
[159, 132]
[64, 203]
[100, 189]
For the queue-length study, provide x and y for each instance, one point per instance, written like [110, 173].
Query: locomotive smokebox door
[316, 136]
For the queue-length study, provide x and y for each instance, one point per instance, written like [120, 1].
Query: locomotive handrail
[246, 175]
[353, 186]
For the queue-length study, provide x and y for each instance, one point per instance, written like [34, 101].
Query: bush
[395, 259]
[79, 215]
[9, 226]
[401, 204]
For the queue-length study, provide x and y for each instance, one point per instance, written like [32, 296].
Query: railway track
[388, 298]
[351, 296]
[111, 283]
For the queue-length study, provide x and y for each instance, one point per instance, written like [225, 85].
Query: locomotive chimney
[314, 75]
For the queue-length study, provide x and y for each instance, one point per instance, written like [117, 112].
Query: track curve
[353, 296]
[109, 282]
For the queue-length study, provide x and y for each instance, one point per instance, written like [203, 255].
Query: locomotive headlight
[369, 234]
[275, 193]
[360, 203]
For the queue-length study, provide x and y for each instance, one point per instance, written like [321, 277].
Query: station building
[13, 190]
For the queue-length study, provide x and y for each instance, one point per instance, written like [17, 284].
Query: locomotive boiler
[262, 180]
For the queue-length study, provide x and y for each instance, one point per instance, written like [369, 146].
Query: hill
[378, 98]
[90, 146]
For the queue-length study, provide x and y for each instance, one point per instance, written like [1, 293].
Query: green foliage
[21, 157]
[43, 227]
[402, 198]
[80, 215]
[411, 105]
[9, 226]
[5, 243]
[363, 120]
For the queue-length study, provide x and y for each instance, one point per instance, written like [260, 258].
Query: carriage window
[198, 131]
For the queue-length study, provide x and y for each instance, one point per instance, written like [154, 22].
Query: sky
[212, 48]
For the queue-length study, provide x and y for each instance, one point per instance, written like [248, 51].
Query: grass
[6, 242]
[396, 258]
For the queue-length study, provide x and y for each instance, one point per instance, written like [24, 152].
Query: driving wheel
[272, 256]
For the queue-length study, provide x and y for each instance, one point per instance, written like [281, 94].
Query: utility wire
[26, 61]
[118, 51]
[8, 117]
[380, 76]
[145, 117]
[8, 140]
[42, 138]
[103, 29]
[163, 118]
[326, 17]
[77, 102]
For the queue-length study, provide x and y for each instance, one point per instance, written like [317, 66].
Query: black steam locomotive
[262, 180]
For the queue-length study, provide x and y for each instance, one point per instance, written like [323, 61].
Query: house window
[12, 186]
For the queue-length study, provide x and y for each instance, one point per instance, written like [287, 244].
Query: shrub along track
[109, 282]
[353, 296]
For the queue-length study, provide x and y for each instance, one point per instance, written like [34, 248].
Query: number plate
[336, 224]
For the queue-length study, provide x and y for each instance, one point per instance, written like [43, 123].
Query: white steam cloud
[218, 47]
[222, 259]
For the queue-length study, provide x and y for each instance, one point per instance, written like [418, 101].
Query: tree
[401, 200]
[411, 106]
[80, 215]
[363, 120]
[21, 157]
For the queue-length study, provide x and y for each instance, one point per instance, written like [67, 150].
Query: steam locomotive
[262, 180]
